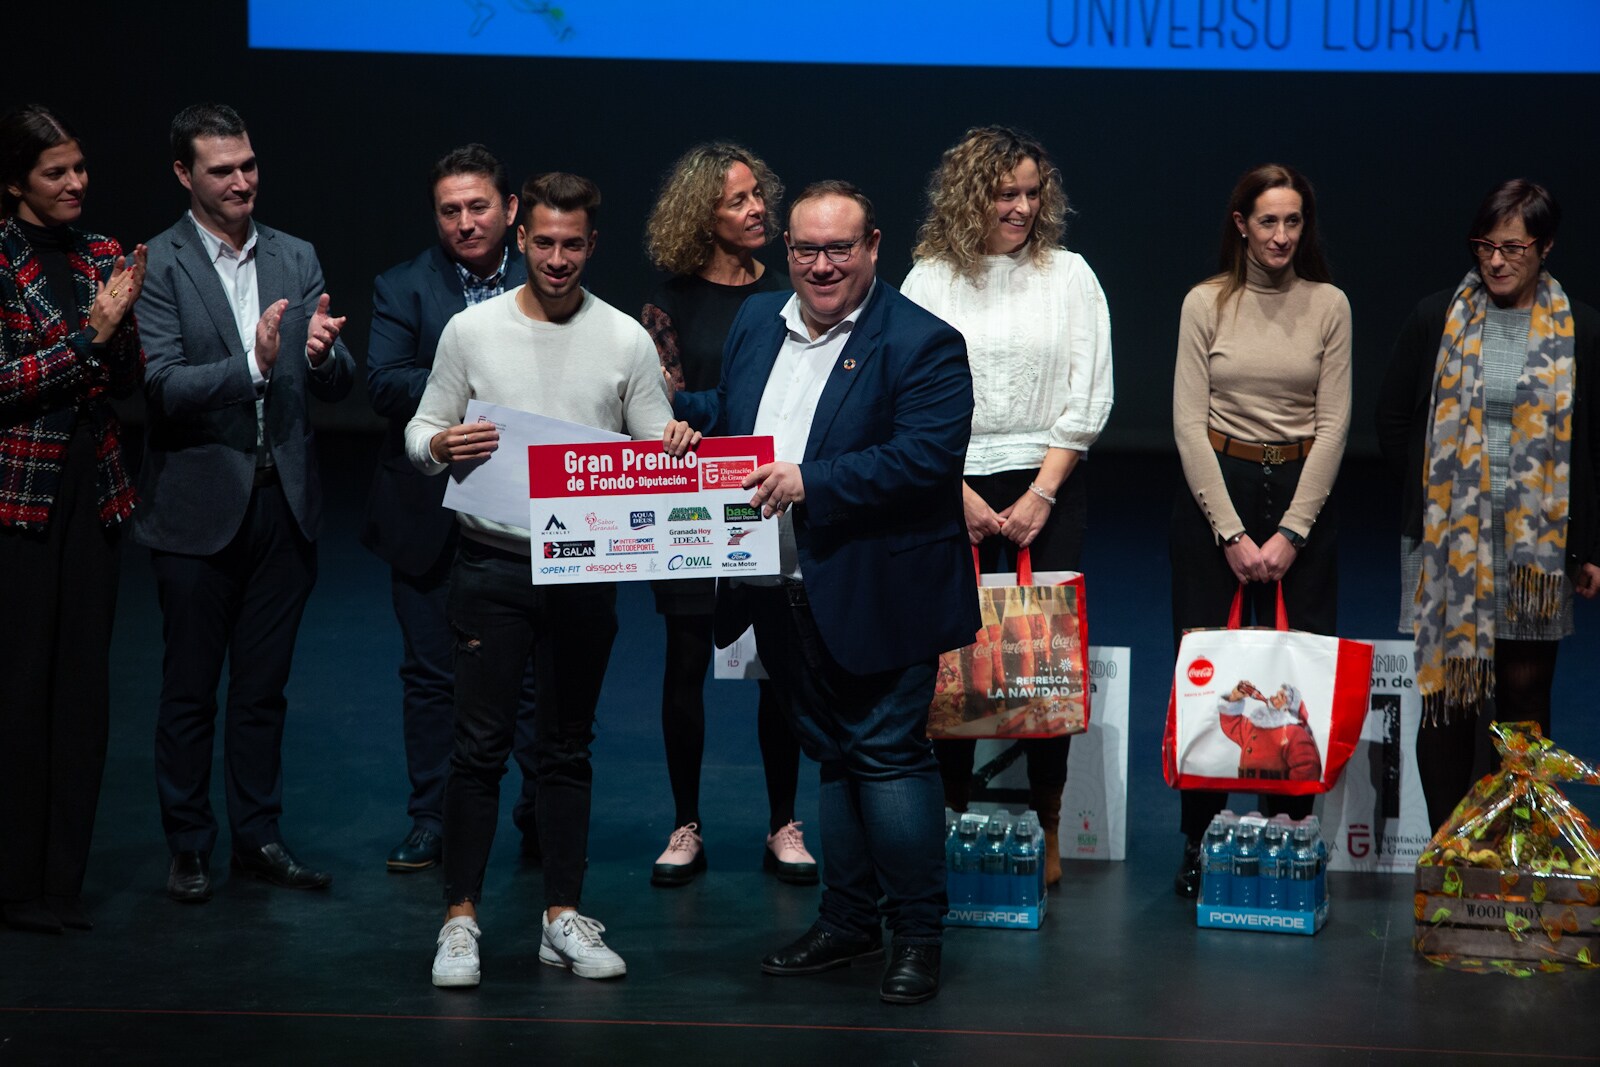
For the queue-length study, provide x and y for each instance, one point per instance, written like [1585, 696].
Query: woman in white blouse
[989, 262]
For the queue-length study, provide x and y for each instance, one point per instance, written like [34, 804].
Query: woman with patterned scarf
[1484, 413]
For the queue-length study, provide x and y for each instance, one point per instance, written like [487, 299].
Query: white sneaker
[456, 961]
[573, 942]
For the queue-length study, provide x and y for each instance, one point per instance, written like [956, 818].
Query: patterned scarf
[1455, 597]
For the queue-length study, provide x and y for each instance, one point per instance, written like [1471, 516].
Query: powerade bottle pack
[1245, 890]
[966, 861]
[1024, 862]
[1216, 865]
[996, 887]
[1275, 854]
[1302, 870]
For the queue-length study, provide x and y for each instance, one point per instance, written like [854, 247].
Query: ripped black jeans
[500, 619]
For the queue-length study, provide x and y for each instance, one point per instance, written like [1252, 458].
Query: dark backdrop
[345, 141]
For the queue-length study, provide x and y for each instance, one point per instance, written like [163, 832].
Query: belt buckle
[1271, 455]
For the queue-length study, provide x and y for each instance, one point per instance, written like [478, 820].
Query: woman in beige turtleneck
[1260, 410]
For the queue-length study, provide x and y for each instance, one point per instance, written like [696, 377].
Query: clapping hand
[323, 333]
[117, 294]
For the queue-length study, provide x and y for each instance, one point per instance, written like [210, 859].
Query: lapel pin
[849, 364]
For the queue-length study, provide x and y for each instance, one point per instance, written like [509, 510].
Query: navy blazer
[406, 523]
[200, 444]
[882, 540]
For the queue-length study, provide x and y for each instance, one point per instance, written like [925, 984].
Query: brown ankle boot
[1048, 805]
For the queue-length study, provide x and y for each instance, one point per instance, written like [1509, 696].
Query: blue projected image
[1477, 36]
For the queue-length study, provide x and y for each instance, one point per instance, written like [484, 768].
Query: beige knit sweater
[1271, 365]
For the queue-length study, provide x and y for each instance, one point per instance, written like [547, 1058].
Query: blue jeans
[881, 805]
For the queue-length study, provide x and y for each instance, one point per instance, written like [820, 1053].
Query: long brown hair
[1233, 255]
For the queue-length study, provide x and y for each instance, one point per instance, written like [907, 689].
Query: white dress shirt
[789, 404]
[236, 270]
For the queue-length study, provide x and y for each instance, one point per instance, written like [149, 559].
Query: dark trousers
[500, 620]
[1203, 586]
[1452, 755]
[879, 804]
[1058, 547]
[242, 605]
[428, 708]
[683, 726]
[59, 586]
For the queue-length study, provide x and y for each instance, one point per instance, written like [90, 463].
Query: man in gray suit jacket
[237, 332]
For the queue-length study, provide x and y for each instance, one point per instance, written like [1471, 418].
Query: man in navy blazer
[869, 401]
[406, 524]
[237, 334]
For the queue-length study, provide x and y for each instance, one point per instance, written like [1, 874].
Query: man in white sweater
[551, 348]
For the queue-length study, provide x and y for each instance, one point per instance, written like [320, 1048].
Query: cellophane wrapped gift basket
[1511, 883]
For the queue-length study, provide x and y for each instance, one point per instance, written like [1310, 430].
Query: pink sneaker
[786, 856]
[684, 858]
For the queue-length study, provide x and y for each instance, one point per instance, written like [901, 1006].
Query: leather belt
[1266, 453]
[1276, 776]
[266, 476]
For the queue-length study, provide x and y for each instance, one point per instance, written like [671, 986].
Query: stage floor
[1117, 973]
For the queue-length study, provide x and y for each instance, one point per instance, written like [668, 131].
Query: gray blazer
[200, 444]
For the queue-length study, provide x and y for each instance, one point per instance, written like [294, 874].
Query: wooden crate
[1509, 914]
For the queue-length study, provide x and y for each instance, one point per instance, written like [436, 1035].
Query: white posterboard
[1094, 805]
[1375, 818]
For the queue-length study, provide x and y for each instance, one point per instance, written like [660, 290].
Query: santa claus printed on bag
[1272, 732]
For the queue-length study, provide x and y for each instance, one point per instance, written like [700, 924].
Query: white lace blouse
[1039, 342]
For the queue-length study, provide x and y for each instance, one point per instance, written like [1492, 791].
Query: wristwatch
[1293, 538]
[1235, 539]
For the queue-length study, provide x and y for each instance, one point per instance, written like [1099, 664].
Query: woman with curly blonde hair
[715, 211]
[989, 262]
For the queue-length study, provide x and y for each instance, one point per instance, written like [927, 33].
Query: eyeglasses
[837, 252]
[1511, 250]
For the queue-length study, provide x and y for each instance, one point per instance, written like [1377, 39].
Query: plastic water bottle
[966, 861]
[1302, 870]
[996, 887]
[1275, 855]
[1321, 848]
[1245, 890]
[1024, 862]
[1216, 858]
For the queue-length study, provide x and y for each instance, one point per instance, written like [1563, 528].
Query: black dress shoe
[276, 864]
[1187, 881]
[817, 950]
[419, 851]
[189, 878]
[912, 975]
[71, 912]
[30, 915]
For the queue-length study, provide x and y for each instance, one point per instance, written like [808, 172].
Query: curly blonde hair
[961, 198]
[679, 233]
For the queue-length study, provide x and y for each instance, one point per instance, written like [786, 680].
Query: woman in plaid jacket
[68, 344]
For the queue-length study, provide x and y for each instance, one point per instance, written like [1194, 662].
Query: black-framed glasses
[1511, 250]
[837, 252]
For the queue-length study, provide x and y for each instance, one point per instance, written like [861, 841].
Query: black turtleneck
[51, 244]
